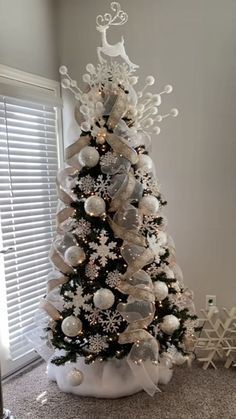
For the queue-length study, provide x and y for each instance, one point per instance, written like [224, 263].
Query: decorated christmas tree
[120, 315]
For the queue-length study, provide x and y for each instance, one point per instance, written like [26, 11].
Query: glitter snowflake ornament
[82, 228]
[111, 321]
[113, 279]
[121, 315]
[97, 343]
[103, 250]
[86, 184]
[77, 301]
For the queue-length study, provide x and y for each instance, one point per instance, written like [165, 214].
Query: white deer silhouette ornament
[103, 23]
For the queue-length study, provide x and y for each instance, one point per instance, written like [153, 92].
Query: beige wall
[28, 36]
[191, 44]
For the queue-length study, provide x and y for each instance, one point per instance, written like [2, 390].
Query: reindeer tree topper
[103, 23]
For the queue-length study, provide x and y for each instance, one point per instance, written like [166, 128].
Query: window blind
[28, 201]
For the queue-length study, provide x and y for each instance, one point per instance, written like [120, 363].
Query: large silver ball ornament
[75, 377]
[71, 326]
[95, 206]
[103, 299]
[74, 255]
[145, 162]
[88, 156]
[160, 290]
[149, 205]
[169, 324]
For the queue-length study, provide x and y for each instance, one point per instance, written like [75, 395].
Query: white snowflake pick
[82, 228]
[190, 325]
[78, 301]
[86, 184]
[113, 278]
[148, 225]
[108, 159]
[153, 270]
[110, 321]
[91, 270]
[103, 250]
[101, 185]
[156, 247]
[97, 343]
[93, 316]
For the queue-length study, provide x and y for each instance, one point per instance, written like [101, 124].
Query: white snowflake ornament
[111, 321]
[78, 301]
[103, 250]
[108, 159]
[82, 228]
[91, 270]
[86, 184]
[156, 247]
[93, 316]
[97, 343]
[113, 278]
[101, 186]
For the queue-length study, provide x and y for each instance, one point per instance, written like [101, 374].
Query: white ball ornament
[169, 324]
[103, 298]
[160, 290]
[148, 123]
[156, 130]
[75, 377]
[149, 205]
[156, 99]
[150, 80]
[71, 326]
[174, 112]
[63, 70]
[88, 156]
[65, 83]
[86, 78]
[95, 206]
[90, 68]
[145, 162]
[168, 88]
[74, 255]
[85, 126]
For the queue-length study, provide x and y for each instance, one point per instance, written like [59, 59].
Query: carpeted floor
[192, 393]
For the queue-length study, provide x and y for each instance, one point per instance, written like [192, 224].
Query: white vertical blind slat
[28, 202]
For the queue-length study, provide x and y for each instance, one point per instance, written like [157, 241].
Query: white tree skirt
[109, 379]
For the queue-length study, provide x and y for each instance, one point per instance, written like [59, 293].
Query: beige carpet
[192, 393]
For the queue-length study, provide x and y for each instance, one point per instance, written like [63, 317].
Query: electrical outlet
[210, 301]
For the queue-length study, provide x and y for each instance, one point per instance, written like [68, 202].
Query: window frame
[18, 78]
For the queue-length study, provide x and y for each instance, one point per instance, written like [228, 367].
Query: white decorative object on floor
[217, 338]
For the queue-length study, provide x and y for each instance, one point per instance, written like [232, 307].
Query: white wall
[192, 45]
[28, 36]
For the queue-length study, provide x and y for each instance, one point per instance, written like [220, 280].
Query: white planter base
[109, 379]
